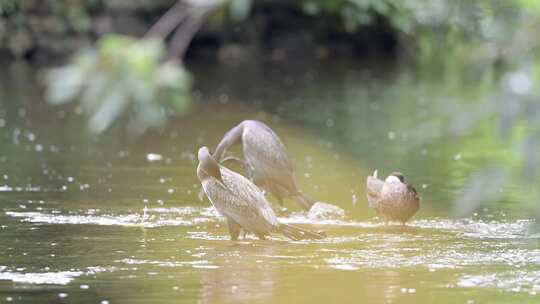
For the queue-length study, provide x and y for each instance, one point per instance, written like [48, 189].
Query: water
[117, 220]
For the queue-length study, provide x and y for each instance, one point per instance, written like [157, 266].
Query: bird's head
[395, 177]
[207, 165]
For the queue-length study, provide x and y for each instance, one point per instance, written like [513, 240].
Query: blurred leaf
[111, 107]
[65, 84]
[121, 74]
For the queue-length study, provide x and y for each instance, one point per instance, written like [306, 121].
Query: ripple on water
[194, 264]
[516, 281]
[434, 258]
[192, 216]
[53, 278]
[157, 217]
[477, 228]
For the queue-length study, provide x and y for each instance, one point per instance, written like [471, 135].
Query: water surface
[117, 220]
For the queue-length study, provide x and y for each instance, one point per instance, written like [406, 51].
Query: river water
[117, 220]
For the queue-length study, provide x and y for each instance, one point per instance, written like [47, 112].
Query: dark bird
[393, 199]
[266, 160]
[241, 202]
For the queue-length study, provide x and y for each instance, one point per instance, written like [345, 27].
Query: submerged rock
[325, 211]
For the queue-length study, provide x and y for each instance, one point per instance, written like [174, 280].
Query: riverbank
[39, 31]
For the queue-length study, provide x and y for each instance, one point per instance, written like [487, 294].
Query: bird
[242, 202]
[393, 199]
[265, 160]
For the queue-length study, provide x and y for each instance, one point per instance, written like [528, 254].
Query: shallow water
[117, 220]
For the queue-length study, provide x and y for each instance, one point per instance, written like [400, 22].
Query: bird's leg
[234, 229]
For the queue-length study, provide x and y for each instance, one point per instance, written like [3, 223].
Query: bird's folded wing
[248, 197]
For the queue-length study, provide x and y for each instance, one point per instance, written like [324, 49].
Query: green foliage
[76, 12]
[355, 13]
[8, 6]
[122, 75]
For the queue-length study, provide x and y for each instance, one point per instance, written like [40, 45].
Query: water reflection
[243, 274]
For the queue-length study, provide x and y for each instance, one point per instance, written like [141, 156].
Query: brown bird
[266, 160]
[241, 202]
[393, 199]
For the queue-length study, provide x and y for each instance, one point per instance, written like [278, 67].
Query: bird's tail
[304, 201]
[296, 233]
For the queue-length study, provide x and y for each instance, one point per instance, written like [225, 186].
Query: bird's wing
[412, 190]
[260, 139]
[373, 189]
[268, 156]
[249, 197]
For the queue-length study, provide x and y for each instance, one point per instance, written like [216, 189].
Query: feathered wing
[274, 170]
[248, 196]
[373, 189]
[414, 198]
[263, 149]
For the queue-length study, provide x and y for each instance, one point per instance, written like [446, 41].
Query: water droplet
[223, 98]
[520, 83]
[329, 122]
[151, 157]
[31, 136]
